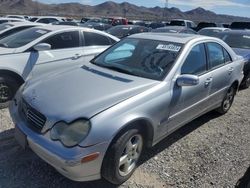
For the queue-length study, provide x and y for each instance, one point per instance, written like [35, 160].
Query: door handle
[77, 56]
[208, 81]
[230, 70]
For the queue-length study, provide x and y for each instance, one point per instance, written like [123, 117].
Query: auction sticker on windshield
[169, 47]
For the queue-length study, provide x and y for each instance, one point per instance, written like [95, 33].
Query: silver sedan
[94, 121]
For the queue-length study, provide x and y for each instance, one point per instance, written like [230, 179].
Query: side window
[227, 56]
[43, 20]
[189, 25]
[94, 39]
[215, 55]
[196, 62]
[64, 40]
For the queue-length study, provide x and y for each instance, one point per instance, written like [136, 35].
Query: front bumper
[66, 161]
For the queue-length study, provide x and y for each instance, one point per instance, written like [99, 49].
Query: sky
[230, 7]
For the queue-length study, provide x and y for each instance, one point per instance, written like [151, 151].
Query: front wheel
[227, 101]
[8, 88]
[122, 157]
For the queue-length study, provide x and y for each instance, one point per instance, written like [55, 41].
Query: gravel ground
[212, 151]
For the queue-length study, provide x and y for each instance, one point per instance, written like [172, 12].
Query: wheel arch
[143, 124]
[13, 74]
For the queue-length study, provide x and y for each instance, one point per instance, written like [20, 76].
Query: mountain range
[109, 8]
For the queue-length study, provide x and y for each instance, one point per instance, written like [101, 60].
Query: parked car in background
[212, 31]
[41, 46]
[122, 31]
[49, 19]
[239, 40]
[66, 23]
[96, 25]
[10, 28]
[181, 22]
[202, 25]
[5, 20]
[17, 16]
[155, 25]
[137, 22]
[114, 21]
[174, 29]
[150, 85]
[240, 25]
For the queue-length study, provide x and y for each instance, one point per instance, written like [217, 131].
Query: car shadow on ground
[13, 158]
[244, 182]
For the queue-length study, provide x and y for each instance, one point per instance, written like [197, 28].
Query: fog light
[90, 157]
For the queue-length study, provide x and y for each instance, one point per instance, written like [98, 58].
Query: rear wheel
[8, 88]
[227, 101]
[122, 157]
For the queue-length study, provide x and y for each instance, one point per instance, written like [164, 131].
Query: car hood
[82, 92]
[7, 50]
[245, 53]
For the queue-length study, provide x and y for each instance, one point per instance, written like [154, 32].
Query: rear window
[236, 40]
[22, 38]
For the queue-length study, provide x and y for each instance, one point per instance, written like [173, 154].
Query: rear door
[221, 67]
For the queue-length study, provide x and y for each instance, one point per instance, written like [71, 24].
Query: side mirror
[187, 80]
[42, 47]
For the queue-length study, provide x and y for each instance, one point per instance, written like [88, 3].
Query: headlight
[70, 134]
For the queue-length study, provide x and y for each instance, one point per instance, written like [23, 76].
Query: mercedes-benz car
[94, 121]
[41, 46]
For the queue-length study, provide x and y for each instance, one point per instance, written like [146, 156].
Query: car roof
[219, 28]
[178, 38]
[238, 31]
[127, 26]
[173, 27]
[16, 24]
[18, 19]
[57, 27]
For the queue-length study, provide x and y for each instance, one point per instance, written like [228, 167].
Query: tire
[227, 101]
[246, 82]
[117, 172]
[8, 88]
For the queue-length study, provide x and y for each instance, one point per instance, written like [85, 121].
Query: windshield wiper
[115, 68]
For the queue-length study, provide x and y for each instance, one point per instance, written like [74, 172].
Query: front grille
[35, 119]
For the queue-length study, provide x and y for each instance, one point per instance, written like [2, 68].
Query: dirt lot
[212, 151]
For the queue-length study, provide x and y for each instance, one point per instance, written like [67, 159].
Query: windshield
[119, 31]
[237, 40]
[140, 57]
[22, 38]
[5, 26]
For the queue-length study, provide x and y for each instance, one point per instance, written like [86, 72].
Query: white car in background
[17, 16]
[10, 28]
[5, 20]
[49, 19]
[45, 47]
